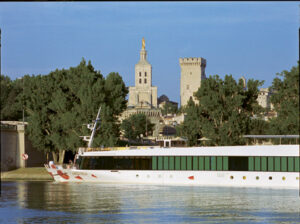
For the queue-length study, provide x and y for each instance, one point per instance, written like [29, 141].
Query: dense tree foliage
[169, 108]
[135, 126]
[224, 111]
[285, 99]
[11, 105]
[60, 103]
[191, 127]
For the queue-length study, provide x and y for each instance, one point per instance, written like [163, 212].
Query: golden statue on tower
[143, 43]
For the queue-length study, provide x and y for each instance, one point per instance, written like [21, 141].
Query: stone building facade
[143, 93]
[192, 73]
[263, 98]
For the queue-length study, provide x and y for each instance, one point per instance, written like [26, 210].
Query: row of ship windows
[217, 163]
[273, 163]
[224, 163]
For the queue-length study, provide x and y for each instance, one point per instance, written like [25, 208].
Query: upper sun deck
[253, 150]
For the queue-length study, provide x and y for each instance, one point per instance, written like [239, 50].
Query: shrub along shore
[28, 174]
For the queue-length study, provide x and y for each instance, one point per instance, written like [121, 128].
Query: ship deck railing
[117, 148]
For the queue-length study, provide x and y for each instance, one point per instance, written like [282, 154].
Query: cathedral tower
[143, 94]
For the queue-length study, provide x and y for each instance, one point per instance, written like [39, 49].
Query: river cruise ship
[268, 166]
[274, 166]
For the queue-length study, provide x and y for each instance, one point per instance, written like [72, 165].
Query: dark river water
[49, 202]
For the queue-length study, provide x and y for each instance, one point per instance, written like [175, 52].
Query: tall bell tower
[143, 94]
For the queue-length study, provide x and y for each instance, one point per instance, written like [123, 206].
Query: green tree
[169, 108]
[285, 99]
[115, 103]
[191, 127]
[136, 125]
[60, 103]
[224, 111]
[226, 107]
[11, 103]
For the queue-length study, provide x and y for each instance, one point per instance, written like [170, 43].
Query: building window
[145, 74]
[190, 73]
[140, 81]
[145, 81]
[187, 86]
[140, 74]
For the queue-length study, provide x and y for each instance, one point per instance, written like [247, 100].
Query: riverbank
[30, 174]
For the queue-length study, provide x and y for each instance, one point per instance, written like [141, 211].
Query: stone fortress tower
[143, 94]
[192, 73]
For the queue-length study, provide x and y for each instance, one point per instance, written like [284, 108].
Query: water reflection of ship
[67, 197]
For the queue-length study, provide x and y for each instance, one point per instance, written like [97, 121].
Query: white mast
[94, 129]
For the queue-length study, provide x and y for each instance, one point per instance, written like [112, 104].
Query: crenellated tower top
[192, 61]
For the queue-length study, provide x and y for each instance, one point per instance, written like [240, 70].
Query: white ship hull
[285, 180]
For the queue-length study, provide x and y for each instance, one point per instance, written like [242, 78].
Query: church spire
[143, 43]
[143, 52]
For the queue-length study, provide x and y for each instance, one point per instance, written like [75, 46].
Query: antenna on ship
[93, 128]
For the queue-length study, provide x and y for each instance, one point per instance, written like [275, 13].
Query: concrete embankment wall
[14, 143]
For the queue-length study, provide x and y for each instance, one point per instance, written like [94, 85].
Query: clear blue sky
[251, 39]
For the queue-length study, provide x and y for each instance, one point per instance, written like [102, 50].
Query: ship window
[238, 163]
[189, 163]
[154, 163]
[160, 163]
[284, 164]
[251, 163]
[201, 163]
[213, 163]
[270, 163]
[225, 163]
[183, 163]
[177, 163]
[257, 163]
[263, 163]
[116, 163]
[277, 163]
[290, 164]
[207, 163]
[195, 163]
[171, 163]
[166, 163]
[297, 169]
[219, 163]
[270, 178]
